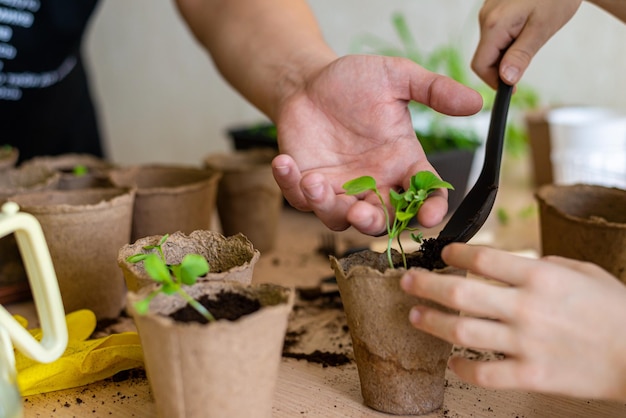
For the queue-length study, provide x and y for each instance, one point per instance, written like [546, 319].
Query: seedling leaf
[156, 268]
[192, 267]
[360, 185]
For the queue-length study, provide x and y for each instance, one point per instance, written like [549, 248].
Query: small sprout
[80, 170]
[171, 277]
[406, 204]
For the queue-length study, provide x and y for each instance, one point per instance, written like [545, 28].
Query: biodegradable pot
[14, 285]
[96, 175]
[169, 198]
[248, 199]
[220, 369]
[401, 369]
[585, 222]
[230, 258]
[84, 230]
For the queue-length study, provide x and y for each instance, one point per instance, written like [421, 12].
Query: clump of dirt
[429, 254]
[324, 358]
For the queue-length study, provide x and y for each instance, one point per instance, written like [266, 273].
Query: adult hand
[522, 26]
[558, 321]
[351, 119]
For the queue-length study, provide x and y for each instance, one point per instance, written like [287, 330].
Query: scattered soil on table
[317, 330]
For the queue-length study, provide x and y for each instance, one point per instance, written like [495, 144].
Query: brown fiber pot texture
[585, 222]
[215, 370]
[96, 175]
[248, 199]
[84, 230]
[169, 198]
[230, 258]
[401, 369]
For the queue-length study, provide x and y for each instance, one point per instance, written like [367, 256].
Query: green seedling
[171, 277]
[406, 204]
[80, 170]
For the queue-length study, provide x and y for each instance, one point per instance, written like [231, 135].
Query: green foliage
[171, 277]
[406, 204]
[264, 129]
[448, 60]
[80, 170]
[441, 138]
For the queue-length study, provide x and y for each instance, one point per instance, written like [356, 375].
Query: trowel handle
[44, 287]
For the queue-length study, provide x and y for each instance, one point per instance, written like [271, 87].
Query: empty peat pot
[585, 222]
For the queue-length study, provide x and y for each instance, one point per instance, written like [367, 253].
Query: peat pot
[401, 369]
[169, 198]
[227, 368]
[585, 222]
[248, 199]
[230, 258]
[84, 230]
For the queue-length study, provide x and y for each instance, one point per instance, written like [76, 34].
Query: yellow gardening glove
[83, 362]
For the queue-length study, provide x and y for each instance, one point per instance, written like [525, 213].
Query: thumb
[442, 93]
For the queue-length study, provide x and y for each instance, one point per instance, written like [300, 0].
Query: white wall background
[161, 100]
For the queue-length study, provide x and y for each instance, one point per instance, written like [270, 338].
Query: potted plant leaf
[231, 258]
[401, 369]
[211, 348]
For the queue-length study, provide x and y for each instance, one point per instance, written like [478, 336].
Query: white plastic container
[588, 146]
[48, 303]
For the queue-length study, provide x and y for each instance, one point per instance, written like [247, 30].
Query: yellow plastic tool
[48, 304]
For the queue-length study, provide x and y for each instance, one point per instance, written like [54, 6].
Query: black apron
[45, 103]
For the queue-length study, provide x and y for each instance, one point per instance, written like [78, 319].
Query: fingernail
[406, 281]
[313, 191]
[510, 73]
[282, 170]
[414, 315]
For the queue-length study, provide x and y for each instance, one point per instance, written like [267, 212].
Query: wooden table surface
[308, 389]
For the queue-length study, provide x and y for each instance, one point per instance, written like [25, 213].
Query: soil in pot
[401, 369]
[225, 305]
